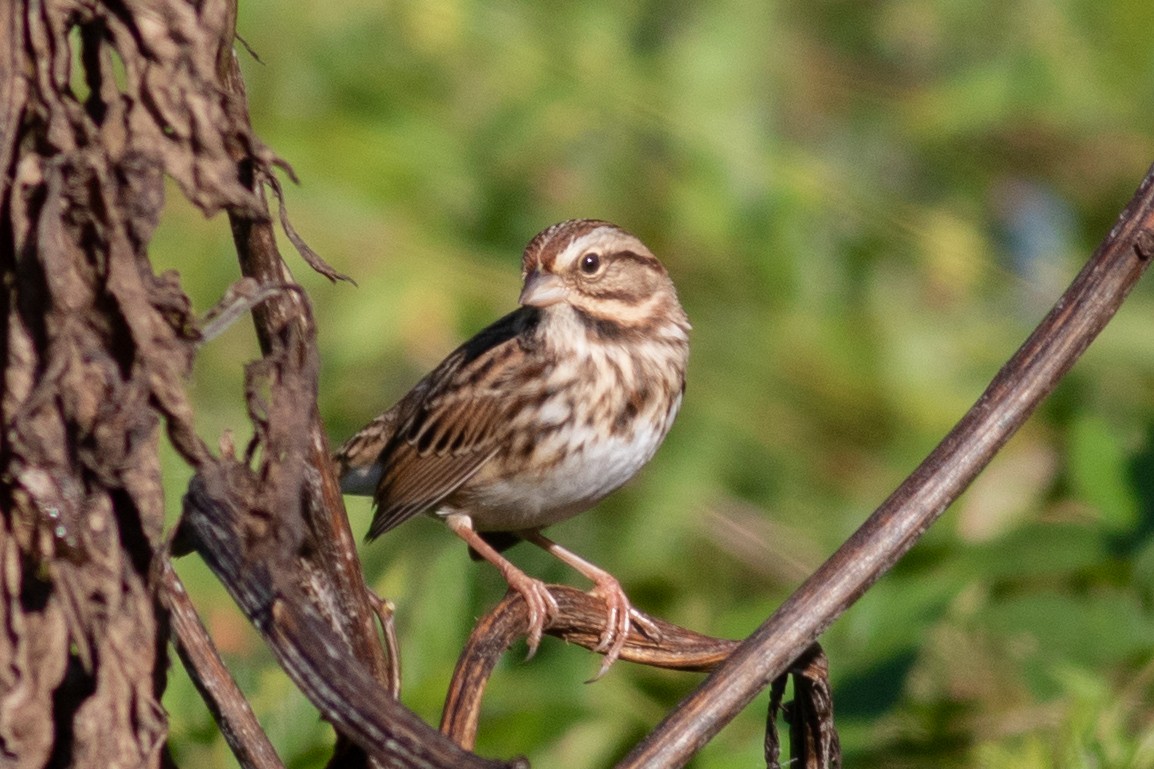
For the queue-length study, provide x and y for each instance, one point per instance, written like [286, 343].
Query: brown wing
[452, 422]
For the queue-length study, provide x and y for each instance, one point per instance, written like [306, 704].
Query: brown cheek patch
[630, 282]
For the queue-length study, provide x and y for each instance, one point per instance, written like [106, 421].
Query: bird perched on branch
[541, 415]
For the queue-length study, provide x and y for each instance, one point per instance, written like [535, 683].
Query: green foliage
[865, 207]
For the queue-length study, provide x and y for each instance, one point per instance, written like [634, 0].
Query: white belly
[574, 484]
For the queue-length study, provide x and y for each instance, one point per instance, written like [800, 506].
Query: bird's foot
[539, 602]
[620, 614]
[620, 617]
[647, 626]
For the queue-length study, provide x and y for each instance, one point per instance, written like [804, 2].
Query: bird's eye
[590, 263]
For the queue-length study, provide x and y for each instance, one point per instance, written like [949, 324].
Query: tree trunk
[95, 107]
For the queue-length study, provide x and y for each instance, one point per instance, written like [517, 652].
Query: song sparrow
[540, 415]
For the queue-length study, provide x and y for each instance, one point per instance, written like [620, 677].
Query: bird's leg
[621, 613]
[542, 606]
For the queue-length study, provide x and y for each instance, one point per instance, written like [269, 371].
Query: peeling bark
[96, 347]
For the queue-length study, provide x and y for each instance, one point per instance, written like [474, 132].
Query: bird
[540, 415]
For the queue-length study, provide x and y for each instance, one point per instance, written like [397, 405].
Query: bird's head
[602, 272]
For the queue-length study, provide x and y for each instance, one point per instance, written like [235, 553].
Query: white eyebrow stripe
[601, 240]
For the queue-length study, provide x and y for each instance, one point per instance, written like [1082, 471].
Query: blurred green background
[866, 207]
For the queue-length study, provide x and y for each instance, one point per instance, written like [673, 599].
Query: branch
[293, 486]
[581, 620]
[1077, 318]
[813, 741]
[225, 700]
[261, 577]
[334, 556]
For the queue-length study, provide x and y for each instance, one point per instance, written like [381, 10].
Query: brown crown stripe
[572, 229]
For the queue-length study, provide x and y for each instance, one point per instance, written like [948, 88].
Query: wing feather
[452, 423]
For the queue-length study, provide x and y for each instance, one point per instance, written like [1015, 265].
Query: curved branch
[1033, 372]
[581, 621]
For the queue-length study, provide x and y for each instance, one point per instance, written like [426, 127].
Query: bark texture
[97, 104]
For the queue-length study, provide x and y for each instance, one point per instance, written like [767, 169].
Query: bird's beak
[542, 289]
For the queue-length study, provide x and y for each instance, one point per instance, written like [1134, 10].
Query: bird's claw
[647, 626]
[541, 606]
[620, 617]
